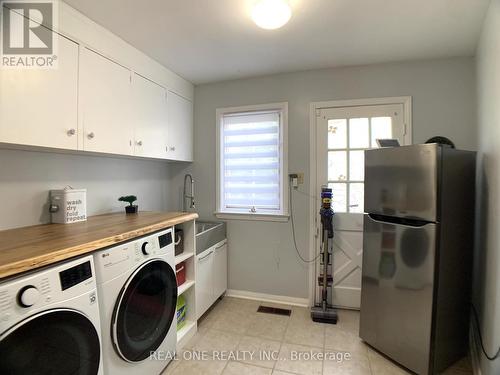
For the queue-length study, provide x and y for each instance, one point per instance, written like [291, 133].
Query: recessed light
[271, 14]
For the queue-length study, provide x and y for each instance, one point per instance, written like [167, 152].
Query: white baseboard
[294, 301]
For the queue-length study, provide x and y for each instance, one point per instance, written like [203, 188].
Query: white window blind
[251, 162]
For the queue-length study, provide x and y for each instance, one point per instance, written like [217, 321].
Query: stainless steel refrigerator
[417, 254]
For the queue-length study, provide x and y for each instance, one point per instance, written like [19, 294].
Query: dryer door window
[53, 342]
[145, 311]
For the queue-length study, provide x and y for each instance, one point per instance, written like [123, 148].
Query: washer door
[144, 311]
[59, 341]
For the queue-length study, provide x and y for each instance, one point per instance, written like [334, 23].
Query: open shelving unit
[187, 289]
[184, 287]
[183, 257]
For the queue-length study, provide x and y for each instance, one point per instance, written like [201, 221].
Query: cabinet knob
[139, 143]
[90, 135]
[71, 132]
[172, 148]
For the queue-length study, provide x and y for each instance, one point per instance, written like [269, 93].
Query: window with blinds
[251, 162]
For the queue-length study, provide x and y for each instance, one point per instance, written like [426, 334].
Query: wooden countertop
[28, 248]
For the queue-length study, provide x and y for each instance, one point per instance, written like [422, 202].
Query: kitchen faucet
[185, 196]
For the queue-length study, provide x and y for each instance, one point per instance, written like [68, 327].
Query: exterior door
[343, 135]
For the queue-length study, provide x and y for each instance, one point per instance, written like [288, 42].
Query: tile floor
[234, 325]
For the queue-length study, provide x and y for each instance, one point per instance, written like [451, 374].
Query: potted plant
[130, 199]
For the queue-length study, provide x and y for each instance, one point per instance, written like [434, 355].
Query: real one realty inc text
[248, 355]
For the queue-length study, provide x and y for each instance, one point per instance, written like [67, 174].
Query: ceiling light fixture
[271, 14]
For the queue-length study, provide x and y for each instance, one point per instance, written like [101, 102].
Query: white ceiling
[214, 40]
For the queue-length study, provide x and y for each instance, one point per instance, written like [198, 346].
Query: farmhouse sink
[209, 233]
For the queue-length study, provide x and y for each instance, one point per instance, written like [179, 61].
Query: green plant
[130, 199]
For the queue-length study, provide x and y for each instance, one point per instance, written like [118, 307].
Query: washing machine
[137, 291]
[49, 321]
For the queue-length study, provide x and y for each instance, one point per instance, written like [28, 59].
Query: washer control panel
[23, 294]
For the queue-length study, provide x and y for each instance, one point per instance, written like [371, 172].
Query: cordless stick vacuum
[323, 312]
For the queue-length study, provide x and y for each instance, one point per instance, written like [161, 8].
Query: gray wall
[261, 255]
[487, 263]
[26, 178]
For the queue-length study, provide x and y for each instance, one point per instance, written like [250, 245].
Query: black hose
[478, 328]
[293, 230]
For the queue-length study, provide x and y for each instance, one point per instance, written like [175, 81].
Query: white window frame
[283, 215]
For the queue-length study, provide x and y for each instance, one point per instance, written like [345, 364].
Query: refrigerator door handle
[382, 219]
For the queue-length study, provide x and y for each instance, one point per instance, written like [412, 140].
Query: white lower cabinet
[220, 270]
[211, 276]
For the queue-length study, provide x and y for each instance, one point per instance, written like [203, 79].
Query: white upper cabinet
[98, 101]
[105, 105]
[38, 107]
[150, 118]
[180, 127]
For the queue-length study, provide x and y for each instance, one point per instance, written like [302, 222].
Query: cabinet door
[180, 126]
[150, 118]
[204, 281]
[105, 98]
[38, 107]
[220, 270]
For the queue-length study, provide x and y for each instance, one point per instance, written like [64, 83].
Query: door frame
[314, 108]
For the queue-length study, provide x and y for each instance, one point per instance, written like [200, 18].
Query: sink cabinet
[211, 276]
[220, 269]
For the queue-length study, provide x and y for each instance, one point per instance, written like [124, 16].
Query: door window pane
[358, 133]
[339, 196]
[337, 133]
[381, 129]
[356, 165]
[337, 165]
[356, 197]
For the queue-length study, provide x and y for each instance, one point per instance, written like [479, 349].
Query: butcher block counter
[25, 249]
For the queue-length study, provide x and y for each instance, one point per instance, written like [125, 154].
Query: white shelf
[184, 256]
[187, 284]
[187, 329]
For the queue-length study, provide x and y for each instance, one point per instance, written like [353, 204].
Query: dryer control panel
[114, 261]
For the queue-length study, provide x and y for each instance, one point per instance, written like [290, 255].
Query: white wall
[26, 178]
[487, 264]
[261, 255]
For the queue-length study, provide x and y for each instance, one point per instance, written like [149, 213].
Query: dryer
[49, 321]
[137, 291]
